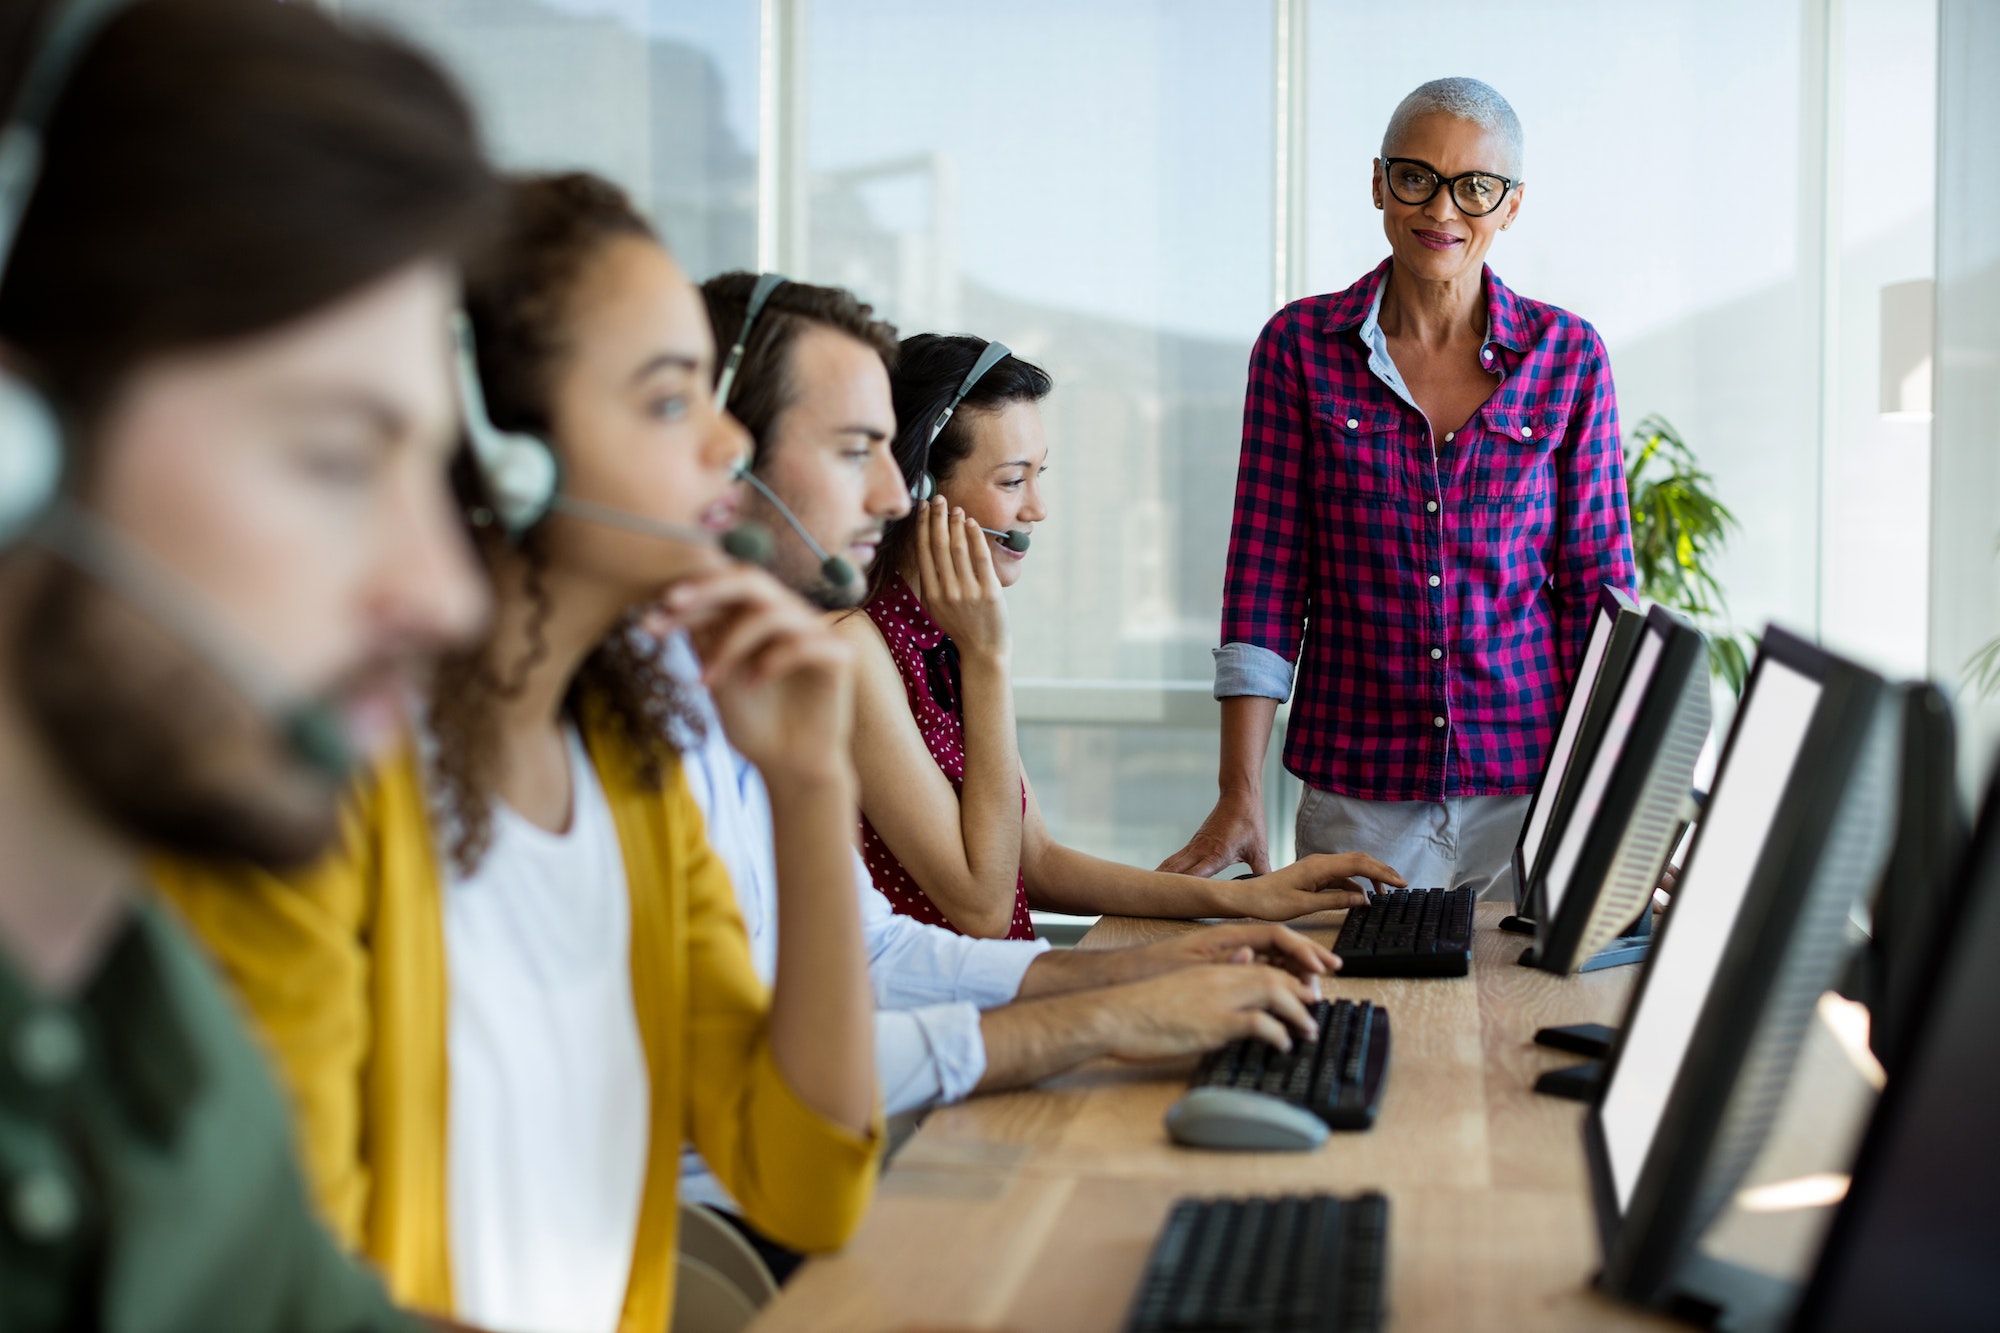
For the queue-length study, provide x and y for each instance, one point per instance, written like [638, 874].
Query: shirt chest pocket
[1515, 467]
[1360, 450]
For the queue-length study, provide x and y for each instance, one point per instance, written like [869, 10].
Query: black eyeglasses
[1476, 193]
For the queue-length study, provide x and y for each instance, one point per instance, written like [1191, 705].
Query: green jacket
[147, 1173]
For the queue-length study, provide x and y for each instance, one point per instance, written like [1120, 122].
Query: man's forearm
[1063, 971]
[1031, 1040]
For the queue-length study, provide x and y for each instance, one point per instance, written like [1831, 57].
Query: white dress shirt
[929, 983]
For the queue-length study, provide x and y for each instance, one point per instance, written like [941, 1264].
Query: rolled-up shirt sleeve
[1244, 668]
[1595, 534]
[1269, 573]
[928, 1056]
[913, 964]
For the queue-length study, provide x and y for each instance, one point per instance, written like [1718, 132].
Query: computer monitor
[1614, 630]
[1602, 869]
[1795, 832]
[1914, 1242]
[1908, 906]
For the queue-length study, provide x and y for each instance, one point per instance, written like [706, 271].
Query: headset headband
[766, 284]
[69, 32]
[995, 353]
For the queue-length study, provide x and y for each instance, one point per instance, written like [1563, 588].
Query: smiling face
[999, 483]
[1437, 241]
[635, 422]
[828, 458]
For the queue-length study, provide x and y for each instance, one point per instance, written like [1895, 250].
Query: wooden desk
[1035, 1210]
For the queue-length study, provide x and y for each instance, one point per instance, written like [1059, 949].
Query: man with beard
[228, 232]
[956, 1015]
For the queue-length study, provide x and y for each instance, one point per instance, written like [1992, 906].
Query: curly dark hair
[519, 303]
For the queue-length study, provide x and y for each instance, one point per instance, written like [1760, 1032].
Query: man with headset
[807, 375]
[228, 233]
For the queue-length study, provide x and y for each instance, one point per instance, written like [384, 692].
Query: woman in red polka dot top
[949, 824]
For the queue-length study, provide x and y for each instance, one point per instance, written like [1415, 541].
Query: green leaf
[1679, 528]
[1982, 670]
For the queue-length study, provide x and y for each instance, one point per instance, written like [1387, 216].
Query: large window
[1738, 195]
[1092, 185]
[660, 96]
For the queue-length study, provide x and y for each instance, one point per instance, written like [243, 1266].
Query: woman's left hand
[1319, 883]
[782, 680]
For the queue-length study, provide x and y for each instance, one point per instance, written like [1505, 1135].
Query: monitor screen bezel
[1977, 871]
[1665, 1194]
[1584, 700]
[1682, 652]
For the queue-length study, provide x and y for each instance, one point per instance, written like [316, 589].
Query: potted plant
[1982, 669]
[1679, 527]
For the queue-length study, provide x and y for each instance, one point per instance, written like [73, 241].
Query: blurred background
[1755, 201]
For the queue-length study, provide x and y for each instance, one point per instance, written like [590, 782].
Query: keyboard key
[1337, 1077]
[1409, 933]
[1289, 1264]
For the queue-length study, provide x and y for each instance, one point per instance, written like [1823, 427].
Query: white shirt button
[47, 1048]
[1431, 505]
[1353, 423]
[43, 1206]
[1437, 721]
[1435, 580]
[1526, 431]
[1487, 353]
[1450, 435]
[1436, 653]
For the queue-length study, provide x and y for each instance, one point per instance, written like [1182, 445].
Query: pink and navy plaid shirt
[1436, 597]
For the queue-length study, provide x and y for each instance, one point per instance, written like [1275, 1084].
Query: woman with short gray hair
[1430, 494]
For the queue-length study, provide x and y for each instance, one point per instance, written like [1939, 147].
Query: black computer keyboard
[1338, 1078]
[1298, 1263]
[1408, 933]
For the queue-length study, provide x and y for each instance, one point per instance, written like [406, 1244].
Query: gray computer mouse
[1235, 1118]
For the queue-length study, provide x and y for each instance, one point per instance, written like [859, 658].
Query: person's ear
[1375, 183]
[1513, 206]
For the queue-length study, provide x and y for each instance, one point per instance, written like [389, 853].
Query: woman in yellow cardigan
[523, 982]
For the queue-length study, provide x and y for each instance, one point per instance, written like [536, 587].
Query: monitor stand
[1714, 1293]
[1580, 1082]
[1629, 946]
[1518, 925]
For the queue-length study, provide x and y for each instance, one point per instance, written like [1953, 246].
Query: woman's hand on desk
[957, 584]
[1321, 883]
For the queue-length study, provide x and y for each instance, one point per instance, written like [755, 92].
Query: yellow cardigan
[343, 970]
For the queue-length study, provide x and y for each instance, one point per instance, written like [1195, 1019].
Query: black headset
[522, 476]
[1014, 539]
[834, 569]
[32, 439]
[31, 433]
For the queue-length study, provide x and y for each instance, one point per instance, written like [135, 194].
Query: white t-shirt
[549, 1095]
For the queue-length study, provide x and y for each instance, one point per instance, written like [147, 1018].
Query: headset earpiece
[925, 488]
[31, 434]
[520, 471]
[31, 456]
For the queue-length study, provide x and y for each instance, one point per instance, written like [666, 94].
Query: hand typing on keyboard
[1200, 1008]
[1250, 942]
[1320, 883]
